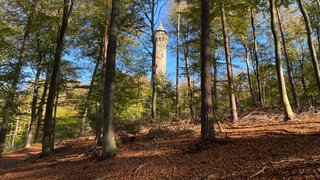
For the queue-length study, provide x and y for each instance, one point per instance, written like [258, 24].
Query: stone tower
[161, 38]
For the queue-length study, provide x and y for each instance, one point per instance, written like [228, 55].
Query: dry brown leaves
[261, 147]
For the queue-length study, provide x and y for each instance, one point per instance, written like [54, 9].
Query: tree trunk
[301, 62]
[33, 122]
[254, 100]
[232, 97]
[43, 100]
[153, 68]
[215, 82]
[108, 140]
[7, 111]
[289, 68]
[177, 66]
[48, 126]
[87, 103]
[207, 126]
[105, 52]
[187, 69]
[14, 137]
[289, 115]
[318, 36]
[255, 53]
[55, 107]
[310, 42]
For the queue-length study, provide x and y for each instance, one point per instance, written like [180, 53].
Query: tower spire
[160, 27]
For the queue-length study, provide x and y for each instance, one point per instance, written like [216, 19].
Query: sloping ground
[262, 147]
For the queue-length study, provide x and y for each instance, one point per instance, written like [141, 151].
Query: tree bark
[289, 115]
[43, 100]
[16, 131]
[215, 82]
[108, 140]
[187, 69]
[48, 126]
[7, 111]
[105, 52]
[255, 55]
[310, 42]
[33, 122]
[207, 126]
[254, 100]
[177, 66]
[233, 104]
[289, 68]
[87, 103]
[153, 68]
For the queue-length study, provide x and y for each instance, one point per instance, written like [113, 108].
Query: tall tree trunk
[33, 122]
[289, 115]
[289, 68]
[87, 103]
[215, 82]
[14, 137]
[255, 53]
[55, 107]
[318, 36]
[187, 70]
[153, 68]
[207, 126]
[7, 111]
[108, 140]
[233, 104]
[48, 126]
[43, 100]
[177, 66]
[254, 100]
[301, 62]
[310, 42]
[105, 52]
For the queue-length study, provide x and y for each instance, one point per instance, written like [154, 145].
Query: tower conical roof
[160, 27]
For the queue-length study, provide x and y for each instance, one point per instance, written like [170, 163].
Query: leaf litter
[261, 147]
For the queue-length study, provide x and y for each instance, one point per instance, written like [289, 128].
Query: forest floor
[261, 147]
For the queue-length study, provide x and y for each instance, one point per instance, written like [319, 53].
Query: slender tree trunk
[7, 111]
[310, 42]
[154, 68]
[215, 80]
[55, 107]
[177, 66]
[301, 61]
[289, 115]
[255, 53]
[187, 69]
[138, 96]
[108, 140]
[43, 100]
[105, 53]
[254, 100]
[233, 104]
[318, 36]
[14, 137]
[48, 126]
[207, 126]
[33, 122]
[289, 68]
[87, 103]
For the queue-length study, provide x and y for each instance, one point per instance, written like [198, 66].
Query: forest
[79, 77]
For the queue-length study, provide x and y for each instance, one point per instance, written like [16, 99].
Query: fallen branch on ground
[141, 166]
